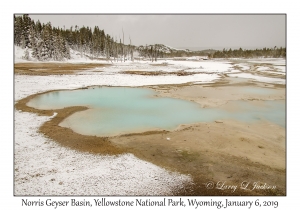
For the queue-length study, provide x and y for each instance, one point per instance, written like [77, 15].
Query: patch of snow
[173, 48]
[204, 66]
[263, 68]
[234, 71]
[244, 67]
[280, 68]
[196, 58]
[273, 61]
[24, 83]
[76, 57]
[19, 55]
[267, 69]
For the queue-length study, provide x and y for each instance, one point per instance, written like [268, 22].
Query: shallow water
[119, 110]
[257, 90]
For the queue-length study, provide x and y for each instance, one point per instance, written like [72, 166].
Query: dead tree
[131, 50]
[123, 45]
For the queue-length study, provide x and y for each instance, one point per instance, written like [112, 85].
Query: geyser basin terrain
[120, 110]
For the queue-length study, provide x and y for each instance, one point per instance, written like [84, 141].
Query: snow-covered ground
[263, 68]
[243, 67]
[273, 61]
[272, 69]
[43, 167]
[250, 68]
[281, 68]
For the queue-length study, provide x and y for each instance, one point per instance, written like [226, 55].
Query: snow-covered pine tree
[26, 54]
[18, 27]
[33, 38]
[48, 48]
[25, 30]
[56, 48]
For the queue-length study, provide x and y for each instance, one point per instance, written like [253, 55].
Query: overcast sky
[184, 31]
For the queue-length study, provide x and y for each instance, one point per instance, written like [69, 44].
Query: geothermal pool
[119, 110]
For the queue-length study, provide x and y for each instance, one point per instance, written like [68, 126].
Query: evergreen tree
[18, 27]
[25, 31]
[48, 48]
[26, 54]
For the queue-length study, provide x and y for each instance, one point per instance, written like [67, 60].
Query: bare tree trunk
[117, 52]
[107, 50]
[114, 52]
[131, 51]
[155, 53]
[123, 45]
[151, 52]
[92, 49]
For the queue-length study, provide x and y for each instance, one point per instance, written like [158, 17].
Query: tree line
[240, 53]
[54, 43]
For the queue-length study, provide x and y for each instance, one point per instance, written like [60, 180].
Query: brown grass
[45, 69]
[160, 73]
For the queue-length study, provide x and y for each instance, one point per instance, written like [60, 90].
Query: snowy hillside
[76, 57]
[161, 48]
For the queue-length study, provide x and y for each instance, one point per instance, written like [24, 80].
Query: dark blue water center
[119, 110]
